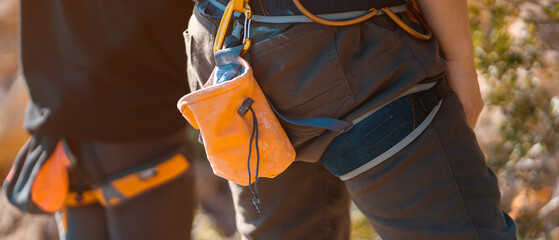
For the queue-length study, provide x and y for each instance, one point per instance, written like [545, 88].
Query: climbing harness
[234, 115]
[331, 19]
[39, 180]
[371, 13]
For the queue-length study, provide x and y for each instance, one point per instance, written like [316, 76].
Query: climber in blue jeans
[411, 163]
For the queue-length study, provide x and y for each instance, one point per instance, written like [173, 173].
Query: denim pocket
[372, 137]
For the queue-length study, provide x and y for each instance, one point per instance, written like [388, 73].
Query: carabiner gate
[241, 6]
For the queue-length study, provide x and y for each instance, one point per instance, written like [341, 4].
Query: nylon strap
[320, 122]
[305, 19]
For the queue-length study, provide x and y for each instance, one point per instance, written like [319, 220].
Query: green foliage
[553, 12]
[510, 67]
[360, 227]
[507, 54]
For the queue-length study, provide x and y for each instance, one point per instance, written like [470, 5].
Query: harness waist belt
[290, 13]
[286, 7]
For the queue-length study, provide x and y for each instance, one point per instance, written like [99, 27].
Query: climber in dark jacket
[104, 76]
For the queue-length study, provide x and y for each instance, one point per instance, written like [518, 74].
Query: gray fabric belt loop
[305, 19]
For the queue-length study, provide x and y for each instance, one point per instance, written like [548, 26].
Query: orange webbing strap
[371, 13]
[85, 198]
[407, 28]
[51, 184]
[136, 183]
[125, 187]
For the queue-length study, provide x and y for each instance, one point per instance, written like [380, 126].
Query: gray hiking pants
[436, 187]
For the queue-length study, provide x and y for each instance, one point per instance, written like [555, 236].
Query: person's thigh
[438, 187]
[304, 202]
[164, 212]
[146, 187]
[83, 223]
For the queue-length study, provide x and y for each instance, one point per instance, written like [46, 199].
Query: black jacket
[106, 70]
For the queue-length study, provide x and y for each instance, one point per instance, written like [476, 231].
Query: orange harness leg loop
[134, 184]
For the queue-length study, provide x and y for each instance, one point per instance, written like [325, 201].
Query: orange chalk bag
[242, 137]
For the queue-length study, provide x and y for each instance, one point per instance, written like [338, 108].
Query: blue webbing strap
[320, 122]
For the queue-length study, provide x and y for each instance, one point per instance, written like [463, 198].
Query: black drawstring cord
[254, 136]
[245, 107]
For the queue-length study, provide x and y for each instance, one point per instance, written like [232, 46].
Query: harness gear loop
[407, 28]
[241, 6]
[371, 13]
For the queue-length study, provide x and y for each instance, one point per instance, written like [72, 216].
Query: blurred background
[517, 55]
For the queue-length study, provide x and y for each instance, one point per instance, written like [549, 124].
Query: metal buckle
[241, 6]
